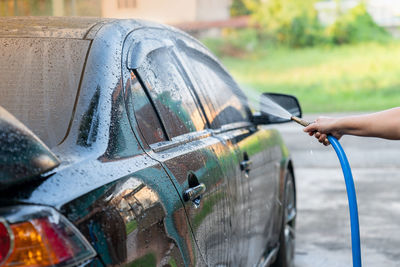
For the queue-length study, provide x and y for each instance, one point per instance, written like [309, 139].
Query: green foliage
[295, 23]
[234, 42]
[238, 8]
[356, 77]
[356, 26]
[147, 260]
[215, 45]
[245, 39]
[290, 22]
[25, 8]
[303, 31]
[131, 226]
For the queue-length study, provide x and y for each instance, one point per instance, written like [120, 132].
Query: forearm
[384, 124]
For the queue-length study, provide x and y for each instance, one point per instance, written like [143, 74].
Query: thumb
[311, 128]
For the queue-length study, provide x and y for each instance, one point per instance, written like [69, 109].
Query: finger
[317, 135]
[326, 142]
[322, 138]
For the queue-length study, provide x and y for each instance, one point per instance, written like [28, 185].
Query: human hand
[322, 127]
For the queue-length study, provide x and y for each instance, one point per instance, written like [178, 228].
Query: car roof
[87, 28]
[73, 27]
[49, 27]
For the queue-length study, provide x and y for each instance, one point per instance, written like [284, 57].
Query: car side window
[146, 117]
[221, 97]
[169, 89]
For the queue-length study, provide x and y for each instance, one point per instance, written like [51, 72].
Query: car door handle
[245, 165]
[194, 193]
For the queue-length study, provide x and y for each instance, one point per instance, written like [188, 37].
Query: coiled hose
[351, 196]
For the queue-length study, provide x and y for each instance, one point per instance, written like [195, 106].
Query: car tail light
[39, 236]
[5, 242]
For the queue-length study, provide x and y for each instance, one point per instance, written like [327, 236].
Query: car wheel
[287, 235]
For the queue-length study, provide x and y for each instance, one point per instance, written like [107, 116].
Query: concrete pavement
[323, 224]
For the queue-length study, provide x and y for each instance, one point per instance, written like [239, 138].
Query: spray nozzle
[300, 121]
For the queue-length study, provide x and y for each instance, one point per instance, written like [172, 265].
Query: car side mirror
[287, 102]
[23, 156]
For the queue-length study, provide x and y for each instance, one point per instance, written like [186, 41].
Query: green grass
[147, 260]
[363, 77]
[131, 226]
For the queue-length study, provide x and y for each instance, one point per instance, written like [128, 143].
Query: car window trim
[194, 136]
[194, 82]
[139, 78]
[233, 126]
[136, 59]
[181, 140]
[192, 88]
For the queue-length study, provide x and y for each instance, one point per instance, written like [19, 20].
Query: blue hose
[351, 195]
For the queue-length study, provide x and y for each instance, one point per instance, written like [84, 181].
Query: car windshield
[39, 80]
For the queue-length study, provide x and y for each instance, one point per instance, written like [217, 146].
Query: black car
[132, 145]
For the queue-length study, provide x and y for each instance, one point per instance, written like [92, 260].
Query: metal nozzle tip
[300, 121]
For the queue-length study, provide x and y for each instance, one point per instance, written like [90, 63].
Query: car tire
[285, 257]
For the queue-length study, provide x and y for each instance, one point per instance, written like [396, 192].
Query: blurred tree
[355, 26]
[40, 7]
[25, 7]
[50, 7]
[238, 8]
[291, 22]
[83, 8]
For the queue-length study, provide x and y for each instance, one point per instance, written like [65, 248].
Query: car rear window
[39, 80]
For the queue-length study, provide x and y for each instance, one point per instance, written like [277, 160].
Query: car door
[229, 116]
[182, 143]
[226, 119]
